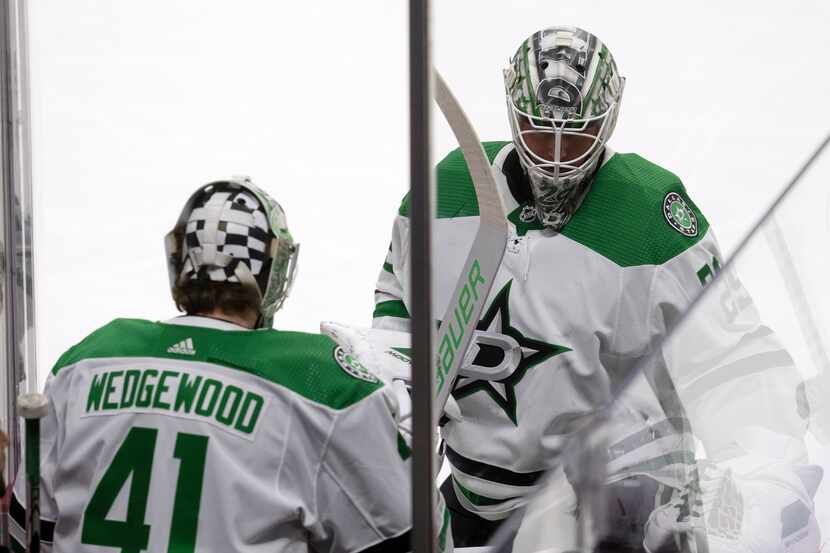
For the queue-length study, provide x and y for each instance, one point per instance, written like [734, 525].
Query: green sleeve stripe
[477, 499]
[442, 536]
[403, 450]
[388, 268]
[394, 308]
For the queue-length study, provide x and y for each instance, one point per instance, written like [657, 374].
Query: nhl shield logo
[353, 367]
[679, 215]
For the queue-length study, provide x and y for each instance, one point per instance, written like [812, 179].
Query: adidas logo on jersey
[185, 347]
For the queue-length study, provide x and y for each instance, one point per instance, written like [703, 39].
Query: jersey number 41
[135, 457]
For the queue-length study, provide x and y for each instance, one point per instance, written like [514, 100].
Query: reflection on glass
[734, 458]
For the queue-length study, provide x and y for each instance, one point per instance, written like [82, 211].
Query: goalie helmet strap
[232, 231]
[226, 239]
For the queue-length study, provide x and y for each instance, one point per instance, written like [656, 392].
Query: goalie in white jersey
[606, 251]
[211, 432]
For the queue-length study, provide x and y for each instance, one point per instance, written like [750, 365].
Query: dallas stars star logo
[679, 215]
[503, 392]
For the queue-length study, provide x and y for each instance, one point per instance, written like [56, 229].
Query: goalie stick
[430, 371]
[483, 261]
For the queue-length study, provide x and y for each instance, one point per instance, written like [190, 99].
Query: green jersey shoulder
[310, 365]
[635, 213]
[456, 196]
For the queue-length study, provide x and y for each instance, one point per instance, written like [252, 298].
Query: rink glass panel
[745, 382]
[17, 297]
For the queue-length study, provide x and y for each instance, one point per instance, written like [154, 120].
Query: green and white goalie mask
[232, 231]
[563, 96]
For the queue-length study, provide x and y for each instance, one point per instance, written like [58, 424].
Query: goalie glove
[766, 511]
[387, 354]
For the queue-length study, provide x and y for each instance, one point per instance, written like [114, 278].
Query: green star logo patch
[679, 215]
[534, 352]
[353, 367]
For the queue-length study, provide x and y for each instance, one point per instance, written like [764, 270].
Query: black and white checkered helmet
[231, 231]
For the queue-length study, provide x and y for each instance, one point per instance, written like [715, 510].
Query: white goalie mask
[232, 231]
[563, 96]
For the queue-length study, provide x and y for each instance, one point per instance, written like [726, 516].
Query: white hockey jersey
[587, 306]
[197, 435]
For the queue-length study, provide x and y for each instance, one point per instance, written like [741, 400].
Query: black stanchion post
[420, 98]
